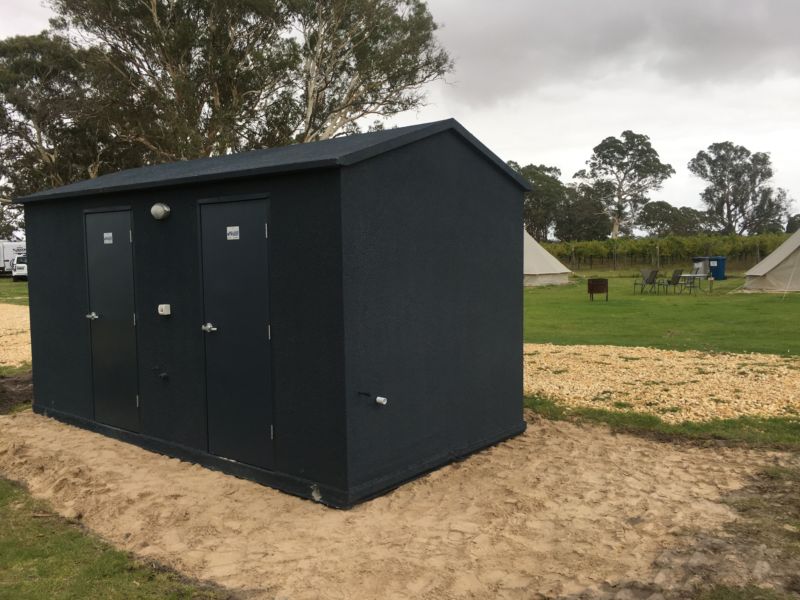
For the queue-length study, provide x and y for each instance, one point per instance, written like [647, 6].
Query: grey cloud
[23, 17]
[507, 46]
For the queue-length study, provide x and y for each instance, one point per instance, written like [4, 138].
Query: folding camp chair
[673, 282]
[690, 283]
[648, 281]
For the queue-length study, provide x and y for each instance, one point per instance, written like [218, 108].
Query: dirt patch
[562, 510]
[16, 392]
[676, 386]
[770, 504]
[15, 342]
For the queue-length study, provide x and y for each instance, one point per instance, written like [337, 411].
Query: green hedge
[742, 251]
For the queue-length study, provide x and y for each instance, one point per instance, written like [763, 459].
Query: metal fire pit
[598, 286]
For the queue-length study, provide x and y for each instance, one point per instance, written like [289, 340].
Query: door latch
[208, 327]
[93, 316]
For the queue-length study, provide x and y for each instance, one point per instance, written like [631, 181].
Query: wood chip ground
[676, 386]
[15, 342]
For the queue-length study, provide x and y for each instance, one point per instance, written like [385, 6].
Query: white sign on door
[233, 233]
[108, 238]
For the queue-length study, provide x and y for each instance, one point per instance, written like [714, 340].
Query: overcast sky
[544, 81]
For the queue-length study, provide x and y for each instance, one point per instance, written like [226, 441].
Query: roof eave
[519, 179]
[343, 160]
[42, 196]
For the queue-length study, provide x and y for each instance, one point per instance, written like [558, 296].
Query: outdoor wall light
[160, 211]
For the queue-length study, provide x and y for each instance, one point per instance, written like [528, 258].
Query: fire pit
[598, 286]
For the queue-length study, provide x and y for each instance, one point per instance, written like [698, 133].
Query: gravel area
[676, 386]
[15, 343]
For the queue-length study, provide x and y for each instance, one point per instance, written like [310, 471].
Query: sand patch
[676, 386]
[560, 510]
[15, 341]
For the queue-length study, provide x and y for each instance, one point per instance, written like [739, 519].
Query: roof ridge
[340, 151]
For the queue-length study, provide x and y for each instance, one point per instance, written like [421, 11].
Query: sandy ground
[15, 343]
[563, 510]
[676, 386]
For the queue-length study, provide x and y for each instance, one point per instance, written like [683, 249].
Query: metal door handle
[208, 327]
[93, 316]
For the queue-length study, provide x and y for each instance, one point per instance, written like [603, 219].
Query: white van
[9, 250]
[19, 268]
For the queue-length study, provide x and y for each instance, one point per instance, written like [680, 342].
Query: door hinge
[137, 400]
[272, 432]
[269, 331]
[266, 230]
[134, 319]
[130, 235]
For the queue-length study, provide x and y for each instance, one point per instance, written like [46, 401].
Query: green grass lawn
[781, 433]
[13, 292]
[717, 322]
[45, 556]
[9, 371]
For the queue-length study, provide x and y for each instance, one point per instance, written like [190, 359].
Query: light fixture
[160, 211]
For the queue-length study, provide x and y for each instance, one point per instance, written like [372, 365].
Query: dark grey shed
[342, 316]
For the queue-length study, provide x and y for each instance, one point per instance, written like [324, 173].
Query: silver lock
[208, 327]
[381, 401]
[93, 316]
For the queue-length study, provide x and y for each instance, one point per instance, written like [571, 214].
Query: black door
[237, 330]
[109, 255]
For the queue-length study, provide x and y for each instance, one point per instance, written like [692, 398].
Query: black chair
[648, 281]
[673, 282]
[691, 283]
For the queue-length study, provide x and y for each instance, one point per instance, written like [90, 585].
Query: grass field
[778, 432]
[13, 292]
[8, 371]
[717, 322]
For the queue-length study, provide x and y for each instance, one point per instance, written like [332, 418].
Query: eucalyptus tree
[134, 82]
[632, 169]
[739, 195]
[544, 202]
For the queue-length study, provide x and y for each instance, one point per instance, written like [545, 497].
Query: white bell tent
[540, 267]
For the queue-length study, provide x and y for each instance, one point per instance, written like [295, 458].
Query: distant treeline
[742, 251]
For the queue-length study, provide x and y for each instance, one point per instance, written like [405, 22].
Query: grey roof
[776, 257]
[341, 151]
